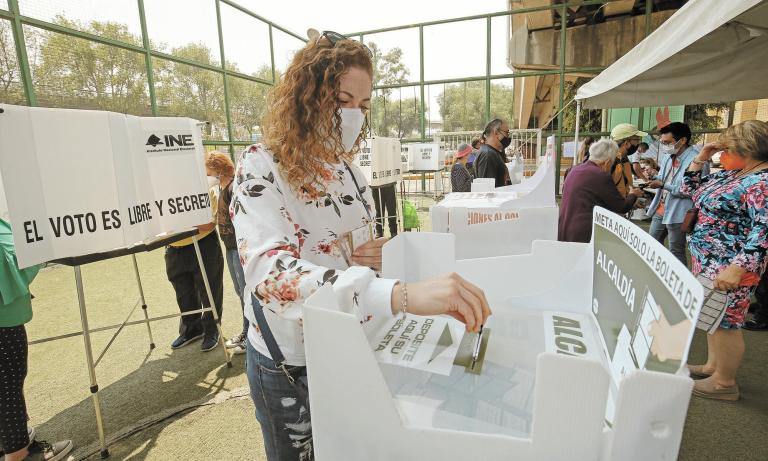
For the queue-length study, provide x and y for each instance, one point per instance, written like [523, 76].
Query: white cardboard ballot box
[585, 357]
[501, 221]
[379, 160]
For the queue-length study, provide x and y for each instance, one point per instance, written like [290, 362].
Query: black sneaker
[756, 325]
[44, 451]
[182, 340]
[209, 343]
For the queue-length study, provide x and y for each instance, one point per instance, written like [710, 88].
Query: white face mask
[213, 181]
[351, 123]
[668, 149]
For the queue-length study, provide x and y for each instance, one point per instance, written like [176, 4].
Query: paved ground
[189, 406]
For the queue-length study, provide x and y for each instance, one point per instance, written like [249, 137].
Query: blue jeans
[285, 422]
[238, 279]
[677, 241]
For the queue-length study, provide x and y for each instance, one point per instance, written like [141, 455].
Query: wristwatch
[699, 162]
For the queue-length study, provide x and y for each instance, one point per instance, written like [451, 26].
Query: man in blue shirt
[669, 206]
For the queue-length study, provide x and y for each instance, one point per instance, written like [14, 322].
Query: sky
[451, 51]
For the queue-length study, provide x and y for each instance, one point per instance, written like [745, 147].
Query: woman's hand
[730, 278]
[369, 254]
[447, 294]
[708, 151]
[655, 184]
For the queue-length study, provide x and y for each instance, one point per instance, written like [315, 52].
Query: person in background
[297, 198]
[220, 167]
[184, 273]
[589, 184]
[670, 204]
[583, 155]
[491, 161]
[627, 138]
[729, 247]
[650, 167]
[637, 158]
[16, 439]
[759, 321]
[461, 176]
[477, 143]
[385, 200]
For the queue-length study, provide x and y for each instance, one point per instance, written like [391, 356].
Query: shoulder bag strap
[357, 189]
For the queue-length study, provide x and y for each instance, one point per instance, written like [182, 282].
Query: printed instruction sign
[424, 343]
[78, 182]
[645, 300]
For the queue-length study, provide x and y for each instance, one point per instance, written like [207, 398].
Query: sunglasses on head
[335, 37]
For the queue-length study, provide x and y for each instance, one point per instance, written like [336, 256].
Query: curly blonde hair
[302, 128]
[220, 163]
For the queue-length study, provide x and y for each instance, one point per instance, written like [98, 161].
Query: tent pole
[576, 134]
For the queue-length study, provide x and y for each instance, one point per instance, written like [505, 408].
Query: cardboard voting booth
[584, 357]
[380, 161]
[425, 157]
[82, 181]
[501, 221]
[81, 186]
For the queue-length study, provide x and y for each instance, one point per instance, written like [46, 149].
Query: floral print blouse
[287, 242]
[732, 226]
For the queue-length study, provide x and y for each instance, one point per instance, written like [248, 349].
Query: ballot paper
[424, 343]
[350, 241]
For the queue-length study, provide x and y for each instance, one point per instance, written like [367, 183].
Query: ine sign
[79, 182]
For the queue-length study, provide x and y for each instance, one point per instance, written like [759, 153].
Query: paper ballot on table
[424, 343]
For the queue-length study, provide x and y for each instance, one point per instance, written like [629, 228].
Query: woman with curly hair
[296, 199]
[729, 248]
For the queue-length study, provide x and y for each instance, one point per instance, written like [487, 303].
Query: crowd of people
[286, 212]
[720, 218]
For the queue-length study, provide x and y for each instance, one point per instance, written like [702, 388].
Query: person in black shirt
[490, 162]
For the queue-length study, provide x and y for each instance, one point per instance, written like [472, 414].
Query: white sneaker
[238, 350]
[236, 341]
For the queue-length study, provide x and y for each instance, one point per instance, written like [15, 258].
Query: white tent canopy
[708, 51]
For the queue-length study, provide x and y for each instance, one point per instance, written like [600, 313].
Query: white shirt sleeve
[270, 244]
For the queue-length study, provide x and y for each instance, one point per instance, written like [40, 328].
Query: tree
[591, 121]
[10, 78]
[390, 115]
[191, 91]
[72, 72]
[462, 105]
[704, 117]
[247, 104]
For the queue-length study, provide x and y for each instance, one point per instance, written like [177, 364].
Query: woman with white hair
[588, 185]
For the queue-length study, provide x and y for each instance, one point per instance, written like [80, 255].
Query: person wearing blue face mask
[299, 207]
[669, 206]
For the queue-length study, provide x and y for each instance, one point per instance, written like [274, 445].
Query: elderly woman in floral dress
[728, 246]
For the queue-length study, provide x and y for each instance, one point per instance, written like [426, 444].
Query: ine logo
[170, 140]
[153, 141]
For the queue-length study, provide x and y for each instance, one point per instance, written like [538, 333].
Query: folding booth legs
[143, 302]
[91, 367]
[210, 300]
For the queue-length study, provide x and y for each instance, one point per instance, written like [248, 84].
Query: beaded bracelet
[405, 299]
